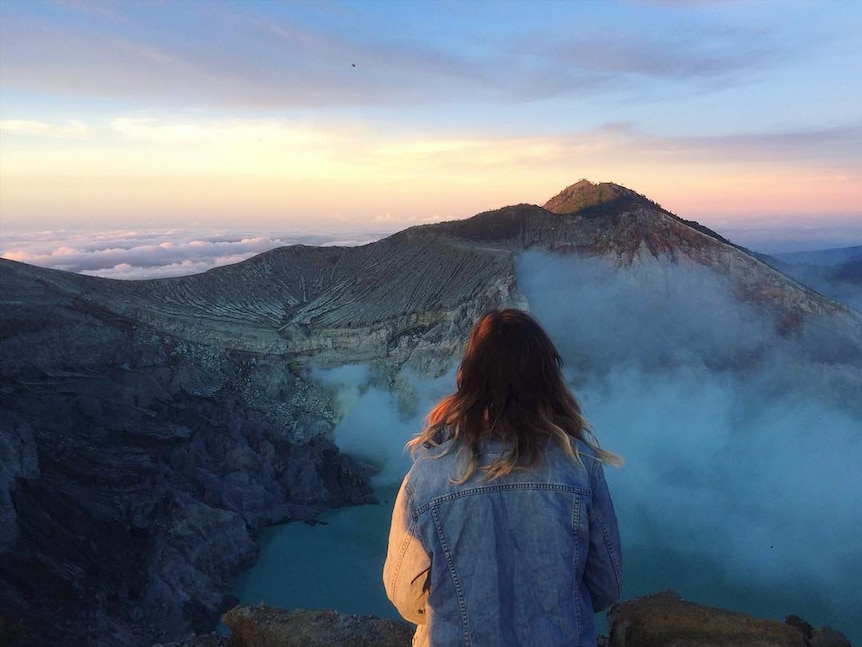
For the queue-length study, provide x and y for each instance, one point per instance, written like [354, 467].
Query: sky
[279, 119]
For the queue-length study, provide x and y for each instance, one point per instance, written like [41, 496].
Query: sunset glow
[321, 117]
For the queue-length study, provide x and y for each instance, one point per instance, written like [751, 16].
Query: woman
[503, 531]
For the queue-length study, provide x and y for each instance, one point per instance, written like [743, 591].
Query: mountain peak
[591, 200]
[587, 198]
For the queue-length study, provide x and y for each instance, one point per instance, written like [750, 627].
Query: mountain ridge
[266, 303]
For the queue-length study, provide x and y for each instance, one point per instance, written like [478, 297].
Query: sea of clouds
[151, 253]
[741, 486]
[155, 253]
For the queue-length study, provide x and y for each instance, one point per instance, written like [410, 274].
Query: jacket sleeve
[603, 573]
[405, 573]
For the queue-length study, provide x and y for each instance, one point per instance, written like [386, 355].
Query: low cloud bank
[154, 253]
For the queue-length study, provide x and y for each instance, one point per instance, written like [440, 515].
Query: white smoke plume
[374, 426]
[741, 486]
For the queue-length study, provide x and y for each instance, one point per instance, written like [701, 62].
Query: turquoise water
[338, 566]
[333, 566]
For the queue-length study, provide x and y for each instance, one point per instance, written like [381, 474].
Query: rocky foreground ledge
[661, 620]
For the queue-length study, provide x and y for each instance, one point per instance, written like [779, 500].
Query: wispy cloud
[838, 146]
[275, 63]
[622, 143]
[151, 254]
[74, 129]
[285, 59]
[266, 132]
[683, 57]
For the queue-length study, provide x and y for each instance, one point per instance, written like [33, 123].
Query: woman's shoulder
[584, 450]
[576, 466]
[432, 452]
[434, 445]
[433, 466]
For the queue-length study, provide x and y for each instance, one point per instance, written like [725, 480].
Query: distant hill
[835, 273]
[824, 257]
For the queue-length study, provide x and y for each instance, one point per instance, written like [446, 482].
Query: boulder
[667, 620]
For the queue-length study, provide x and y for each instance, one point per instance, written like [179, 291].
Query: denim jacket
[523, 559]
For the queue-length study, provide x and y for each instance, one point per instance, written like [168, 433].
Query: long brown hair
[509, 387]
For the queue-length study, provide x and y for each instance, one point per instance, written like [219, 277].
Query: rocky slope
[148, 429]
